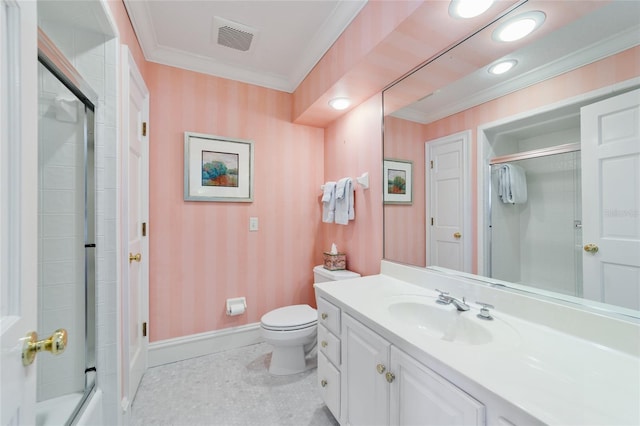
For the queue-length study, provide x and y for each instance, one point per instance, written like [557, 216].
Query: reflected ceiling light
[468, 8]
[339, 103]
[519, 26]
[502, 67]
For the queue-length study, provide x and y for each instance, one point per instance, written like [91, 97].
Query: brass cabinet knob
[56, 344]
[390, 376]
[380, 368]
[591, 248]
[324, 343]
[137, 257]
[323, 383]
[457, 235]
[324, 315]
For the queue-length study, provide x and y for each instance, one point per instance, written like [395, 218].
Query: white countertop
[553, 376]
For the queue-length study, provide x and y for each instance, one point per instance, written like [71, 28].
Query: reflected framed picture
[398, 181]
[217, 168]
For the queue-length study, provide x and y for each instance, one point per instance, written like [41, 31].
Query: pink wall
[617, 68]
[404, 140]
[353, 145]
[202, 253]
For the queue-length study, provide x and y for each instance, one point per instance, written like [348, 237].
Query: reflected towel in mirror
[512, 184]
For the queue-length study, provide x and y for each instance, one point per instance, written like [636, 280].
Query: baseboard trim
[180, 348]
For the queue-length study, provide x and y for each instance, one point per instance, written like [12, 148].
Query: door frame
[467, 242]
[486, 152]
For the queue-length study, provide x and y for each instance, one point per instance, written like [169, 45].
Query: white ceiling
[290, 36]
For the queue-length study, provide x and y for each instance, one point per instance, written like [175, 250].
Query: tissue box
[335, 262]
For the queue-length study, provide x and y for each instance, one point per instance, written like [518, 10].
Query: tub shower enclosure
[66, 236]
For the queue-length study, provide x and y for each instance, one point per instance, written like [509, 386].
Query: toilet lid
[290, 317]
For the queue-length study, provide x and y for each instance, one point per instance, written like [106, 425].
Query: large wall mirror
[531, 177]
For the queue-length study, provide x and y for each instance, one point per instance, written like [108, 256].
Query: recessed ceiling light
[502, 67]
[519, 26]
[339, 103]
[468, 8]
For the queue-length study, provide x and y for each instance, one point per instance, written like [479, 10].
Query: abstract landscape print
[220, 169]
[397, 181]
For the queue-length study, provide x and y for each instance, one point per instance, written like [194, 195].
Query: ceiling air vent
[233, 35]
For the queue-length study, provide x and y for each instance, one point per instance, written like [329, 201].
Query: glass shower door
[66, 245]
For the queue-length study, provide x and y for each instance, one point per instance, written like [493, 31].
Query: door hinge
[144, 229]
[144, 329]
[432, 164]
[144, 128]
[431, 221]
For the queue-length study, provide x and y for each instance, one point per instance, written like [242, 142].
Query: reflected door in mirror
[611, 200]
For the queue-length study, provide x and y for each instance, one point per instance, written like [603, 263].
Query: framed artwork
[398, 181]
[217, 168]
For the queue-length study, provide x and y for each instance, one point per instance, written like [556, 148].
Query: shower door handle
[56, 344]
[137, 257]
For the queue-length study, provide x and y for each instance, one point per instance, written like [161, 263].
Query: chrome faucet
[445, 299]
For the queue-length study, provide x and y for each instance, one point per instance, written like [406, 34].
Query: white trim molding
[194, 345]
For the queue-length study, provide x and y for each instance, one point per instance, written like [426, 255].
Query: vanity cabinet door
[365, 362]
[329, 384]
[419, 396]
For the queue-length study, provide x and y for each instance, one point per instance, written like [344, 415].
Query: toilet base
[286, 360]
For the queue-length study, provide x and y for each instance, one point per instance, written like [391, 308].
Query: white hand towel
[344, 201]
[512, 184]
[329, 202]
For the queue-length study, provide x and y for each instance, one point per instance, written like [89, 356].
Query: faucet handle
[484, 311]
[443, 297]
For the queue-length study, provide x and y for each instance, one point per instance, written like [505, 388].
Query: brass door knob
[137, 257]
[56, 344]
[324, 315]
[324, 343]
[390, 376]
[457, 235]
[591, 248]
[380, 368]
[323, 383]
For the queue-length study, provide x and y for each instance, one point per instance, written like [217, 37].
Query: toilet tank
[321, 275]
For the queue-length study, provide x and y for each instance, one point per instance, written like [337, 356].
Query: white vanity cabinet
[419, 396]
[382, 385]
[329, 353]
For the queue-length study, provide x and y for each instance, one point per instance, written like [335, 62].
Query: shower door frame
[58, 65]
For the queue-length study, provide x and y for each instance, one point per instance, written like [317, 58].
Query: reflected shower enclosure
[538, 242]
[66, 244]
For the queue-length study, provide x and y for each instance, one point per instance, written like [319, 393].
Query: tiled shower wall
[95, 56]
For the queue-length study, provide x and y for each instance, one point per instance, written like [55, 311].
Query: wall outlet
[253, 224]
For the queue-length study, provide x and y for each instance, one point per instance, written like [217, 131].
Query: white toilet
[292, 330]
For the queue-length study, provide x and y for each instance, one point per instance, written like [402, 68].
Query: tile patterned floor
[230, 388]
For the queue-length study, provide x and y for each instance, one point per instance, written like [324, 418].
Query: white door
[18, 207]
[448, 207]
[419, 396]
[135, 285]
[610, 132]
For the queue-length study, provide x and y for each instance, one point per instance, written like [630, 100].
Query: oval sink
[441, 321]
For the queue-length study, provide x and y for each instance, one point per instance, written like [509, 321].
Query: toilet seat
[290, 318]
